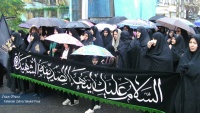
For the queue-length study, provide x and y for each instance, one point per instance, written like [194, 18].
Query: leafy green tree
[12, 10]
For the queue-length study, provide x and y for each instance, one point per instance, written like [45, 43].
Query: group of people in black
[139, 49]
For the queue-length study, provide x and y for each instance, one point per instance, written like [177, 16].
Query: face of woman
[193, 45]
[85, 36]
[12, 38]
[138, 34]
[94, 61]
[115, 35]
[171, 33]
[66, 46]
[173, 41]
[178, 31]
[31, 38]
[55, 31]
[92, 31]
[105, 33]
[33, 30]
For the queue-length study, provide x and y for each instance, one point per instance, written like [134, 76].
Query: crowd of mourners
[161, 49]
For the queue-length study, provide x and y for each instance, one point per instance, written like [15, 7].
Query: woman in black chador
[190, 71]
[87, 38]
[160, 54]
[19, 43]
[124, 42]
[106, 36]
[177, 46]
[137, 49]
[97, 37]
[36, 46]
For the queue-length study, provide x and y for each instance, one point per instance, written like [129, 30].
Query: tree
[12, 10]
[192, 6]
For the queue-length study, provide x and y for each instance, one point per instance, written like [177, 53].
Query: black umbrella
[27, 26]
[76, 24]
[92, 21]
[154, 18]
[116, 20]
[48, 22]
[4, 32]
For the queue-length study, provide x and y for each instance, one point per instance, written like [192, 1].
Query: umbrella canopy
[186, 22]
[197, 22]
[156, 17]
[87, 23]
[101, 26]
[64, 38]
[172, 23]
[4, 33]
[91, 21]
[49, 22]
[27, 26]
[116, 20]
[92, 50]
[139, 22]
[76, 24]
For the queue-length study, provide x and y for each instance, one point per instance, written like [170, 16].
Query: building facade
[45, 8]
[188, 9]
[104, 9]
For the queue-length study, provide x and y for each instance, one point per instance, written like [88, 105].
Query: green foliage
[12, 8]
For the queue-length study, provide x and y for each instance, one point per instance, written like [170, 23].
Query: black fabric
[124, 42]
[145, 89]
[160, 55]
[4, 31]
[99, 40]
[185, 37]
[177, 50]
[168, 35]
[89, 41]
[108, 39]
[24, 36]
[18, 41]
[129, 30]
[36, 46]
[137, 51]
[189, 69]
[74, 33]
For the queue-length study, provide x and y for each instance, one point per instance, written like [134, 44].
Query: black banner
[141, 90]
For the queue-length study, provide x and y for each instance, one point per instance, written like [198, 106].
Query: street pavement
[52, 103]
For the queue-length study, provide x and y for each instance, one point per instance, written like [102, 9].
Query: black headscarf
[18, 41]
[74, 33]
[137, 51]
[185, 36]
[129, 30]
[59, 30]
[144, 38]
[124, 42]
[168, 34]
[24, 36]
[36, 46]
[89, 41]
[108, 39]
[177, 50]
[179, 47]
[189, 69]
[160, 55]
[99, 40]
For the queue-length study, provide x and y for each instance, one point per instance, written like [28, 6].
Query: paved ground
[52, 104]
